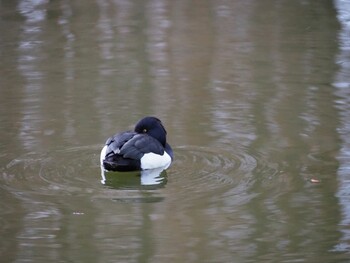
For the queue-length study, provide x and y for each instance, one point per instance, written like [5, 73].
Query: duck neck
[161, 137]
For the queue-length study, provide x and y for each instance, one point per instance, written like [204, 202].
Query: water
[254, 96]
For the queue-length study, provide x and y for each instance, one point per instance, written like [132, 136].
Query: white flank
[103, 154]
[152, 161]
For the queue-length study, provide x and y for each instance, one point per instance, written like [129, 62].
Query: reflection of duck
[152, 176]
[142, 149]
[130, 180]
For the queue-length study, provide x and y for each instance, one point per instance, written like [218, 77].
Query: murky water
[255, 96]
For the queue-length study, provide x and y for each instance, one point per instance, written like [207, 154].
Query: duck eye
[144, 130]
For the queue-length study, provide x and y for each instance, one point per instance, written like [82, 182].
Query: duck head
[153, 127]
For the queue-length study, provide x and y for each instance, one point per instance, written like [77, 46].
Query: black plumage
[124, 151]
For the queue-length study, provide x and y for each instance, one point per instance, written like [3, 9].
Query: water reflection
[342, 86]
[255, 95]
[133, 180]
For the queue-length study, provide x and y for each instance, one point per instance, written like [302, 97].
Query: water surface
[254, 96]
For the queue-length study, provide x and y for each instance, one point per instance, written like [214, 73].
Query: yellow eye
[144, 130]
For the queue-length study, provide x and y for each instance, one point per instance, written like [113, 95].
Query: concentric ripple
[214, 164]
[196, 170]
[76, 171]
[72, 170]
[202, 171]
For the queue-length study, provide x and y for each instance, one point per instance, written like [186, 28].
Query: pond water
[254, 95]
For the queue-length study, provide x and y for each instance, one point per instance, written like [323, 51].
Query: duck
[143, 148]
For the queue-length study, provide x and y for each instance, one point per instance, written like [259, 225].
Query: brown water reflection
[255, 99]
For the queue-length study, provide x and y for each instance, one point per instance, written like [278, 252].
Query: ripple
[214, 164]
[70, 171]
[196, 172]
[76, 171]
[201, 171]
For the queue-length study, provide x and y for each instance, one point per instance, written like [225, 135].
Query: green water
[254, 95]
